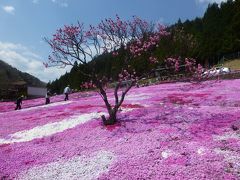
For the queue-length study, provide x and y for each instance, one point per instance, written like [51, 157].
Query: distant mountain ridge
[10, 75]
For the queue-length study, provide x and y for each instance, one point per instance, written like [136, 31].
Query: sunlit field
[166, 131]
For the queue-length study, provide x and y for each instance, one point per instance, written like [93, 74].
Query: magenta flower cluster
[166, 131]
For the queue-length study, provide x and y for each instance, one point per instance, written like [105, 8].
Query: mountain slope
[10, 75]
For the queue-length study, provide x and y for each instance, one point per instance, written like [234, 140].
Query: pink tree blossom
[191, 68]
[125, 39]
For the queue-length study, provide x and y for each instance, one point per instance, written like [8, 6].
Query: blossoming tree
[191, 68]
[122, 39]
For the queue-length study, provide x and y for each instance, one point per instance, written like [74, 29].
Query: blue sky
[23, 24]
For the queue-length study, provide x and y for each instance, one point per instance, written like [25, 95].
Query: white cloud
[210, 1]
[61, 3]
[9, 9]
[35, 1]
[64, 4]
[25, 60]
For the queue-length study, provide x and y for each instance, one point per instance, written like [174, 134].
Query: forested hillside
[9, 75]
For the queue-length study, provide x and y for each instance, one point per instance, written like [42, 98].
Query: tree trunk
[112, 119]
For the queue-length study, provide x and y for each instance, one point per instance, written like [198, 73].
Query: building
[36, 91]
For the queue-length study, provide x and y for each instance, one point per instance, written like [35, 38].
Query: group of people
[19, 100]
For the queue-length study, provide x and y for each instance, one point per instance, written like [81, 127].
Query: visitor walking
[47, 98]
[66, 92]
[19, 102]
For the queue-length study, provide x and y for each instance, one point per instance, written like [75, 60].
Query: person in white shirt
[66, 92]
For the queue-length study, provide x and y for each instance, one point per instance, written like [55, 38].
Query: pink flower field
[166, 131]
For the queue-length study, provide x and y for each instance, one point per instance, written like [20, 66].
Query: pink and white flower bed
[167, 131]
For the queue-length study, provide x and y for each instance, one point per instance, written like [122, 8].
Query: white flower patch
[124, 110]
[201, 151]
[134, 97]
[47, 105]
[80, 167]
[49, 129]
[226, 136]
[165, 154]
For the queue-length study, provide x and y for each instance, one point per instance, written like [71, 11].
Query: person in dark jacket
[47, 98]
[19, 102]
